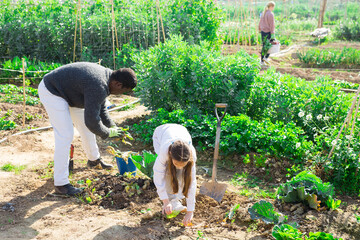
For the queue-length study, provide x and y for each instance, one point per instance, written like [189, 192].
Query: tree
[322, 13]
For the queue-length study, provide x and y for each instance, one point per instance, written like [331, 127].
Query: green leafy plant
[265, 211]
[357, 218]
[145, 163]
[305, 187]
[7, 124]
[332, 203]
[321, 236]
[266, 47]
[347, 57]
[286, 232]
[8, 167]
[232, 213]
[246, 159]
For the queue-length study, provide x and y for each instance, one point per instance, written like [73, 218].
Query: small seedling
[145, 210]
[357, 218]
[232, 213]
[246, 159]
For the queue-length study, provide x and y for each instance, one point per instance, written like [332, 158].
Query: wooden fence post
[24, 94]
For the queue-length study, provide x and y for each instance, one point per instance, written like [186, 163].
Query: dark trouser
[264, 36]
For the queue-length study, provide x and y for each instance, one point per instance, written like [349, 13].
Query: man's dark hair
[126, 76]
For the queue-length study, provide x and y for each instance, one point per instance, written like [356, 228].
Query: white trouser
[62, 118]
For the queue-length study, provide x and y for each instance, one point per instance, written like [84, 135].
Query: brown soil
[41, 215]
[118, 191]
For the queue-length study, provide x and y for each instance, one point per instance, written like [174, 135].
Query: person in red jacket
[267, 28]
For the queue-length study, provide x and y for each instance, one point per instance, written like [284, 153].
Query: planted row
[240, 134]
[346, 57]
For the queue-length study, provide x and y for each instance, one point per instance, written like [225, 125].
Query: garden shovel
[213, 189]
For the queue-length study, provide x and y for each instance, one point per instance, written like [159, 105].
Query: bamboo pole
[249, 25]
[162, 25]
[113, 38]
[158, 25]
[353, 124]
[75, 35]
[345, 122]
[80, 34]
[24, 94]
[152, 24]
[114, 23]
[227, 36]
[236, 21]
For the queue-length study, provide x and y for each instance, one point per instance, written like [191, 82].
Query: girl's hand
[167, 208]
[187, 219]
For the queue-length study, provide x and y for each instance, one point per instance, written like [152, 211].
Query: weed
[12, 168]
[252, 227]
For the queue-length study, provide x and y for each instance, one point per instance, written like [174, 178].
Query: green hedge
[176, 75]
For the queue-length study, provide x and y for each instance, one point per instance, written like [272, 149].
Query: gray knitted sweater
[84, 85]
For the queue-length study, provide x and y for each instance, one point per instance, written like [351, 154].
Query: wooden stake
[345, 122]
[162, 25]
[75, 35]
[353, 124]
[80, 35]
[158, 25]
[24, 94]
[249, 24]
[113, 38]
[114, 23]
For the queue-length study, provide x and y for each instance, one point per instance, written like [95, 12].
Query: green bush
[288, 99]
[346, 57]
[45, 30]
[239, 134]
[349, 30]
[176, 75]
[342, 168]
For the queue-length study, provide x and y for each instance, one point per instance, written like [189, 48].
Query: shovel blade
[214, 190]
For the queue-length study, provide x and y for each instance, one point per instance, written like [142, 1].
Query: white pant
[62, 118]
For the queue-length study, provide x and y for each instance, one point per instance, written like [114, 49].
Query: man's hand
[187, 219]
[167, 208]
[114, 132]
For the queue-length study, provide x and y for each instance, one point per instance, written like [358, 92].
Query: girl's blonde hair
[269, 5]
[180, 151]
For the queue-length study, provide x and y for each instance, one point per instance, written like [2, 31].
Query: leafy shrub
[349, 30]
[305, 187]
[240, 134]
[195, 20]
[342, 169]
[176, 75]
[288, 99]
[347, 57]
[265, 211]
[286, 232]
